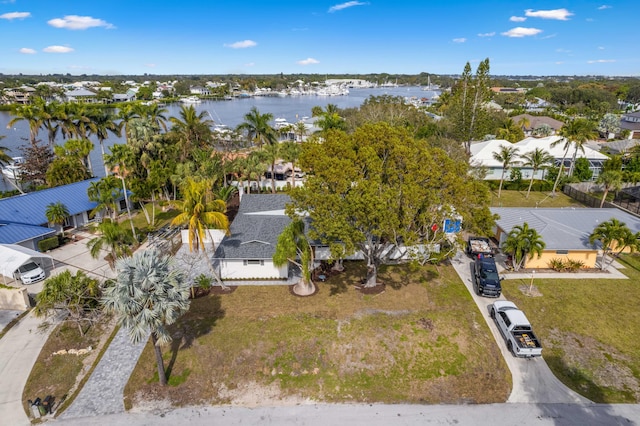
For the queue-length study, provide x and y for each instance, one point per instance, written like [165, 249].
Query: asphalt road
[533, 381]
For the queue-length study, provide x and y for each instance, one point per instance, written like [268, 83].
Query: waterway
[230, 113]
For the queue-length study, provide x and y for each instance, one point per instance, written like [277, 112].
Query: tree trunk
[372, 275]
[604, 197]
[106, 169]
[162, 376]
[555, 184]
[273, 177]
[501, 180]
[530, 184]
[338, 266]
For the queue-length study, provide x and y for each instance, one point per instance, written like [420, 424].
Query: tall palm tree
[506, 156]
[578, 131]
[106, 192]
[290, 152]
[614, 235]
[259, 131]
[193, 129]
[54, 116]
[154, 112]
[536, 159]
[104, 122]
[567, 146]
[148, 294]
[114, 238]
[33, 115]
[200, 211]
[57, 213]
[271, 154]
[510, 131]
[524, 123]
[611, 180]
[300, 130]
[4, 157]
[293, 246]
[523, 242]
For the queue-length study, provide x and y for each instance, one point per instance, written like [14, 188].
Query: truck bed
[479, 245]
[526, 339]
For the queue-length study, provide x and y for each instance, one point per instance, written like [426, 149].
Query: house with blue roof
[23, 219]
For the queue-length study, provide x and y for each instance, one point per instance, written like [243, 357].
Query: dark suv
[487, 281]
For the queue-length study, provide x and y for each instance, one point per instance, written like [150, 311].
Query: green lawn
[536, 199]
[422, 340]
[589, 332]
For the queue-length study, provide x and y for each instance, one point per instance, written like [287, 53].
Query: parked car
[486, 279]
[30, 273]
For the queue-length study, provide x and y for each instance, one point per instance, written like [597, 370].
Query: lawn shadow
[575, 379]
[202, 316]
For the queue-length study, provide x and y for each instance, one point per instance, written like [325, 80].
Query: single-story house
[482, 156]
[536, 121]
[23, 219]
[248, 251]
[81, 95]
[565, 231]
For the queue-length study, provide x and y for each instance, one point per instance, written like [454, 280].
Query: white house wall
[235, 269]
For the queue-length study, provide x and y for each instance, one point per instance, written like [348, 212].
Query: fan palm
[148, 295]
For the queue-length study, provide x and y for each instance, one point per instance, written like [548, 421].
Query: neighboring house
[248, 251]
[565, 231]
[23, 219]
[19, 95]
[81, 95]
[124, 97]
[620, 147]
[631, 122]
[482, 156]
[538, 104]
[536, 121]
[199, 90]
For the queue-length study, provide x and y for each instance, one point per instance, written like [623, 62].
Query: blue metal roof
[30, 208]
[13, 233]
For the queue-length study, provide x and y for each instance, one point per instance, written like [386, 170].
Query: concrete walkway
[103, 392]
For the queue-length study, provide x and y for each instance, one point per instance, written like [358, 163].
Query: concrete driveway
[533, 381]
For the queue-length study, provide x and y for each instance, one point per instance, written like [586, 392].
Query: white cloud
[57, 49]
[459, 40]
[308, 61]
[491, 34]
[563, 50]
[559, 62]
[601, 61]
[250, 64]
[558, 14]
[242, 44]
[150, 65]
[75, 22]
[600, 47]
[604, 6]
[27, 51]
[15, 15]
[521, 32]
[346, 5]
[517, 19]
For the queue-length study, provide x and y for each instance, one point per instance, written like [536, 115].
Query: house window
[562, 251]
[253, 262]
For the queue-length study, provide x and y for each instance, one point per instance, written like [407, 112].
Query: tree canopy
[379, 189]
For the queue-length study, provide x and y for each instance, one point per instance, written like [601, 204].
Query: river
[230, 113]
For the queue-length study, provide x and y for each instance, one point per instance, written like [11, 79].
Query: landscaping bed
[422, 340]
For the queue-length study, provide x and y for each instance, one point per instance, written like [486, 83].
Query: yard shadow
[201, 318]
[588, 388]
[579, 414]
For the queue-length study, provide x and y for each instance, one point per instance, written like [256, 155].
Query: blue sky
[579, 37]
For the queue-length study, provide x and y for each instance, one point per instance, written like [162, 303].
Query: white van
[30, 273]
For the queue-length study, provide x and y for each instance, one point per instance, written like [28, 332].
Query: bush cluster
[565, 265]
[48, 243]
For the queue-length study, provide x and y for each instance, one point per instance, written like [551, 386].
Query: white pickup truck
[516, 329]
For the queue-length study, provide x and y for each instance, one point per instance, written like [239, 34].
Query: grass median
[422, 340]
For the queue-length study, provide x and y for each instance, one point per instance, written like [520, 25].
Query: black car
[487, 280]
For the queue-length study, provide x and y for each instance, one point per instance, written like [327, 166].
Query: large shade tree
[148, 294]
[379, 189]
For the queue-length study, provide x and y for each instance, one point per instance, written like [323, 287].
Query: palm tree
[301, 130]
[77, 149]
[118, 240]
[193, 129]
[32, 114]
[506, 156]
[524, 123]
[148, 294]
[154, 113]
[257, 127]
[57, 213]
[104, 121]
[523, 242]
[290, 152]
[106, 192]
[536, 159]
[200, 212]
[567, 145]
[271, 154]
[293, 245]
[510, 131]
[614, 235]
[611, 180]
[4, 157]
[578, 131]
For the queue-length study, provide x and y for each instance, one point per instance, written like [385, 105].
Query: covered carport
[13, 256]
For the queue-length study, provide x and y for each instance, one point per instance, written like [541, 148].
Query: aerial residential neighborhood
[324, 220]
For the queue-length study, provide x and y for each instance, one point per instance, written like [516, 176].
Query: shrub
[48, 243]
[556, 264]
[565, 265]
[573, 265]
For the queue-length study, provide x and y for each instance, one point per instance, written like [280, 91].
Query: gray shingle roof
[255, 230]
[30, 208]
[565, 228]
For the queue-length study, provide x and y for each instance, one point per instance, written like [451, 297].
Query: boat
[190, 100]
[13, 170]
